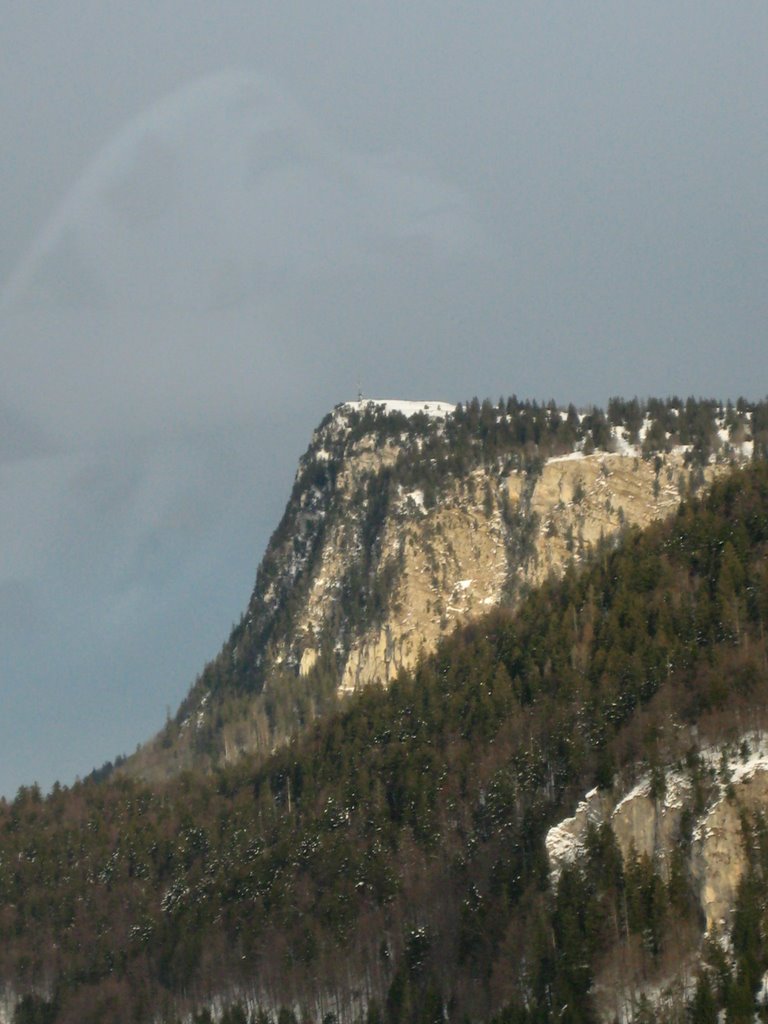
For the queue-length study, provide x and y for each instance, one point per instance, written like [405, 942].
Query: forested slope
[390, 865]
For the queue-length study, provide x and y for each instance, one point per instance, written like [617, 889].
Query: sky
[221, 220]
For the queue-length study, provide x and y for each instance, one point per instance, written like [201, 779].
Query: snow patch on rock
[433, 409]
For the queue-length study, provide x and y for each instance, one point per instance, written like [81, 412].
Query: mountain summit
[407, 518]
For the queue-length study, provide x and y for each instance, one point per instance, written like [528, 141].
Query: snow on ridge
[640, 789]
[436, 410]
[564, 842]
[621, 442]
[416, 497]
[573, 456]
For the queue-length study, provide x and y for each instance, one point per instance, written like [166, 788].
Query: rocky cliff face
[657, 817]
[483, 537]
[696, 813]
[406, 520]
[487, 537]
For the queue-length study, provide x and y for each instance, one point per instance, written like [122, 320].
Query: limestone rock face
[717, 862]
[737, 782]
[650, 826]
[487, 537]
[578, 501]
[718, 859]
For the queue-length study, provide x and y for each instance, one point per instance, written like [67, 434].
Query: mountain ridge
[407, 518]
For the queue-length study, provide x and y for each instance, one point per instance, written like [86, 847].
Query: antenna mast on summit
[359, 393]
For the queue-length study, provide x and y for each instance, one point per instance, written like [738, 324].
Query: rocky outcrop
[566, 841]
[736, 781]
[390, 540]
[697, 815]
[580, 500]
[487, 538]
[718, 858]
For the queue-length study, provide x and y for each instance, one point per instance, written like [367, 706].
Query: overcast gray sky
[217, 219]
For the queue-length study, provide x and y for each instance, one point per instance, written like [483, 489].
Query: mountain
[408, 518]
[556, 815]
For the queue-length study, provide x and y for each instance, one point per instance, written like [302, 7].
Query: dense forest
[389, 865]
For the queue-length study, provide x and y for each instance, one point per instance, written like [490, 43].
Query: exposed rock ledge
[651, 826]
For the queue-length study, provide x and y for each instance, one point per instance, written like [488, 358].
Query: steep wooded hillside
[407, 519]
[392, 866]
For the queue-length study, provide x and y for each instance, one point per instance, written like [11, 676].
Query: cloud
[164, 291]
[215, 281]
